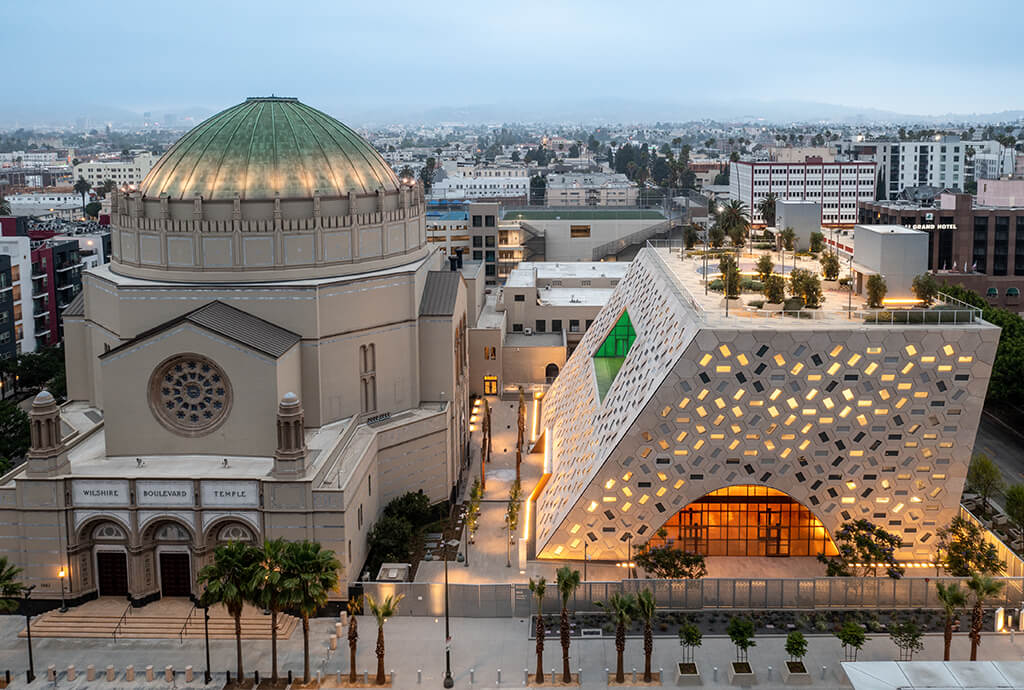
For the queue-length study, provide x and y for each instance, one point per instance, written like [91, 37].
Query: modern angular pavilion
[755, 433]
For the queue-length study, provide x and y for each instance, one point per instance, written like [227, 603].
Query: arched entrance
[172, 543]
[550, 372]
[111, 559]
[746, 520]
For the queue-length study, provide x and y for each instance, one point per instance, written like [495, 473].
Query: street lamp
[207, 676]
[448, 681]
[465, 529]
[62, 573]
[26, 593]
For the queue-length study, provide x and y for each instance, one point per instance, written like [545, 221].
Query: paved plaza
[416, 644]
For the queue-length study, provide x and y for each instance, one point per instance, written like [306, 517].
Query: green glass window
[609, 357]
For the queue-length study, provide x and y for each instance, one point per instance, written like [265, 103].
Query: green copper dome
[266, 148]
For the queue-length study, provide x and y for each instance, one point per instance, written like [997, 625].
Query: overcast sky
[925, 58]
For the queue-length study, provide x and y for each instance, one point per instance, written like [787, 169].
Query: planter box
[768, 306]
[685, 677]
[795, 673]
[829, 284]
[628, 680]
[743, 676]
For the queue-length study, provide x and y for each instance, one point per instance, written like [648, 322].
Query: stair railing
[122, 620]
[181, 633]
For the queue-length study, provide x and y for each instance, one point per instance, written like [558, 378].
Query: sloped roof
[223, 319]
[440, 293]
[77, 306]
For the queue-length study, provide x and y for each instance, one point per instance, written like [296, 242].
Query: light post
[585, 558]
[62, 573]
[465, 528]
[207, 676]
[448, 681]
[26, 593]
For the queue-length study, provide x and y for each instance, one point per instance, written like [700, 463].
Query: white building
[20, 251]
[53, 204]
[592, 189]
[121, 172]
[837, 186]
[482, 187]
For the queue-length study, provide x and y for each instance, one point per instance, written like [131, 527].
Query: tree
[388, 541]
[645, 607]
[853, 638]
[92, 209]
[82, 187]
[476, 494]
[666, 562]
[984, 479]
[730, 271]
[406, 174]
[982, 587]
[520, 431]
[311, 572]
[766, 207]
[14, 432]
[925, 288]
[876, 291]
[764, 267]
[862, 547]
[621, 608]
[269, 591]
[716, 236]
[515, 156]
[567, 581]
[574, 151]
[1015, 506]
[962, 550]
[427, 175]
[830, 265]
[538, 188]
[383, 610]
[775, 289]
[734, 218]
[741, 632]
[796, 646]
[805, 285]
[817, 241]
[691, 235]
[907, 638]
[512, 518]
[11, 587]
[353, 637]
[690, 638]
[537, 589]
[413, 506]
[788, 238]
[5, 206]
[228, 581]
[953, 600]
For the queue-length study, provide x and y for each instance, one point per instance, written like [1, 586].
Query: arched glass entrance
[746, 520]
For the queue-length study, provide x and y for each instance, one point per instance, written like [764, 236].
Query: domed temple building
[273, 351]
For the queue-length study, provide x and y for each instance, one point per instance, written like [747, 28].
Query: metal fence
[516, 600]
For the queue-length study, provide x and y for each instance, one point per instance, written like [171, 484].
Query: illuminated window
[612, 354]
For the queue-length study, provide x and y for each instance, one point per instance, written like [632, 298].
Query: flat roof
[522, 275]
[951, 675]
[889, 229]
[535, 340]
[606, 213]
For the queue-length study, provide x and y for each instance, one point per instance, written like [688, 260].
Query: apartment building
[122, 172]
[838, 187]
[945, 162]
[507, 188]
[8, 336]
[591, 189]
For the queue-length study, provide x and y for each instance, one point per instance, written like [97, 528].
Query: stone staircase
[156, 621]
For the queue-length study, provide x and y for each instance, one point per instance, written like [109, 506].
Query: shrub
[389, 541]
[853, 637]
[730, 274]
[775, 289]
[756, 303]
[925, 288]
[666, 562]
[764, 267]
[413, 506]
[830, 265]
[804, 284]
[876, 291]
[817, 242]
[717, 284]
[793, 304]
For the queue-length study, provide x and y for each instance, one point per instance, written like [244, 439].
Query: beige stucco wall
[527, 364]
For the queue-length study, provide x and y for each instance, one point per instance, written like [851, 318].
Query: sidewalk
[485, 645]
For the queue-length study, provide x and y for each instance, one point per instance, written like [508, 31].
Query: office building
[122, 172]
[591, 189]
[836, 186]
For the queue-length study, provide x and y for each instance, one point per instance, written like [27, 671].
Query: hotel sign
[170, 493]
[100, 492]
[241, 494]
[934, 226]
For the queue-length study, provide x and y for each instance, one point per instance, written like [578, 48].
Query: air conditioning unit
[527, 331]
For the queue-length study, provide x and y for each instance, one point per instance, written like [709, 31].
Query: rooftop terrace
[839, 309]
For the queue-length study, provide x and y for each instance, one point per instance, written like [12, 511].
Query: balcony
[39, 295]
[41, 311]
[65, 287]
[68, 267]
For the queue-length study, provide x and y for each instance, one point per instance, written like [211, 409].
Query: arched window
[235, 532]
[550, 372]
[172, 532]
[108, 531]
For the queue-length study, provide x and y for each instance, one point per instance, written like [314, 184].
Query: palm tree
[538, 588]
[228, 581]
[953, 600]
[767, 208]
[734, 218]
[5, 206]
[311, 572]
[82, 187]
[982, 587]
[567, 581]
[269, 591]
[10, 587]
[382, 611]
[645, 606]
[353, 638]
[621, 607]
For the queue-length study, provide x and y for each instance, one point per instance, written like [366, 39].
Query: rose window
[190, 394]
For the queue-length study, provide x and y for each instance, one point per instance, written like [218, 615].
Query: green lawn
[584, 214]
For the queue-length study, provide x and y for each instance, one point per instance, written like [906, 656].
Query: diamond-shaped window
[609, 357]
